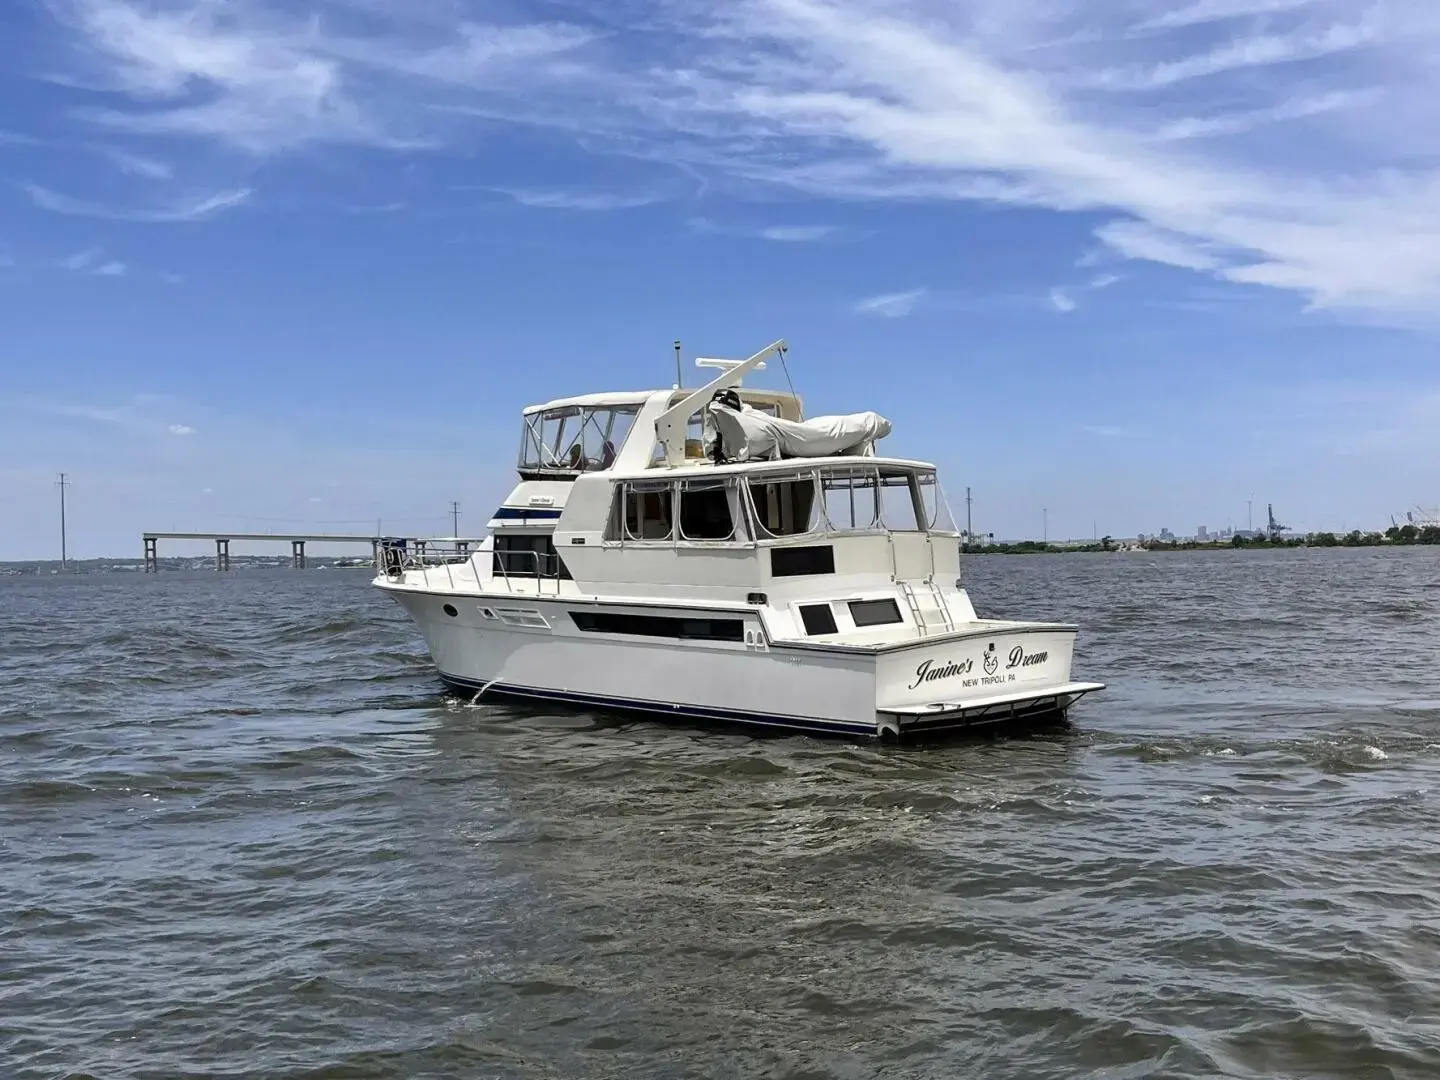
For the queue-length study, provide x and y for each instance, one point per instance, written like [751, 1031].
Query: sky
[1111, 265]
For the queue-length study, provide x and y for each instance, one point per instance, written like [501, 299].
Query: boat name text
[931, 670]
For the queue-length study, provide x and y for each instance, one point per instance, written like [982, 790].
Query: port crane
[1274, 529]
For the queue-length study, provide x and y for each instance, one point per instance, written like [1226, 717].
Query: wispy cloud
[781, 234]
[1061, 301]
[263, 79]
[81, 260]
[894, 305]
[1065, 105]
[1111, 431]
[797, 234]
[580, 200]
[1104, 281]
[181, 429]
[136, 165]
[194, 210]
[89, 262]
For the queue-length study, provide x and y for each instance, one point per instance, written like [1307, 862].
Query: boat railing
[395, 555]
[537, 566]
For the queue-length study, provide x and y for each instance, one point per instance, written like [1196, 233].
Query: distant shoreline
[1395, 536]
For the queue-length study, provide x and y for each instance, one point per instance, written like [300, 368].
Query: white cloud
[263, 79]
[579, 200]
[1064, 105]
[113, 268]
[81, 260]
[181, 429]
[1061, 301]
[891, 305]
[1104, 281]
[797, 234]
[190, 210]
[1137, 240]
[136, 165]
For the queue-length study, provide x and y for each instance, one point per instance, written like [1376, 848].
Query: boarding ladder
[908, 591]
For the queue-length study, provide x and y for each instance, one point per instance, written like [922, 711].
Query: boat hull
[532, 649]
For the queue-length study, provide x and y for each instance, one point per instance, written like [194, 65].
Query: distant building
[1202, 533]
[1166, 534]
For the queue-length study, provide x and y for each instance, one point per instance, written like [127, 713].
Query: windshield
[574, 438]
[855, 498]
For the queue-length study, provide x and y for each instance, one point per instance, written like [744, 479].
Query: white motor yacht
[710, 554]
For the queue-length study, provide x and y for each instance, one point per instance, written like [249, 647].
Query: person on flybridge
[744, 433]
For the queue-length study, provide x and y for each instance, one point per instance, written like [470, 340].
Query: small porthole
[450, 610]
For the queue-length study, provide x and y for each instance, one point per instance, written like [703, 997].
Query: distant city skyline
[1112, 268]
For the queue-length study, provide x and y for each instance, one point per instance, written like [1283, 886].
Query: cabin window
[574, 438]
[705, 510]
[818, 619]
[932, 502]
[874, 612]
[527, 555]
[661, 626]
[642, 510]
[899, 504]
[851, 498]
[784, 506]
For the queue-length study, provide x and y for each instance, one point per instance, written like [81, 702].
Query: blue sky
[269, 266]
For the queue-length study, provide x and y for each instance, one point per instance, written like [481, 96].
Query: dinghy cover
[746, 434]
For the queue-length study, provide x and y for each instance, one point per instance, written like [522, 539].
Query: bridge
[297, 542]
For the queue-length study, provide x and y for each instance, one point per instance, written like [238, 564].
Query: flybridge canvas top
[746, 434]
[715, 423]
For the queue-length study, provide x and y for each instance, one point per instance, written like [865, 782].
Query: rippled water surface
[243, 833]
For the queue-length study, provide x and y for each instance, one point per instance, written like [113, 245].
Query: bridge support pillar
[222, 554]
[297, 554]
[152, 557]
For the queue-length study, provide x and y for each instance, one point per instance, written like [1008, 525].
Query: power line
[62, 484]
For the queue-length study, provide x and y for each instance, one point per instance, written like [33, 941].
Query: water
[243, 833]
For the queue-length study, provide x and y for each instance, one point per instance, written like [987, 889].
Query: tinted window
[704, 629]
[818, 618]
[798, 561]
[874, 612]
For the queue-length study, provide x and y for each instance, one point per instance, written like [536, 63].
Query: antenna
[678, 378]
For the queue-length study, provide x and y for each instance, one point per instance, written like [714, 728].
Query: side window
[528, 555]
[647, 512]
[705, 511]
[784, 507]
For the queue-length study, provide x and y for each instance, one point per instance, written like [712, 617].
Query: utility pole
[1045, 525]
[62, 484]
[969, 528]
[1249, 515]
[454, 519]
[678, 378]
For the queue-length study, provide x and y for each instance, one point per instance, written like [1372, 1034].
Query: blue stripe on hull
[810, 724]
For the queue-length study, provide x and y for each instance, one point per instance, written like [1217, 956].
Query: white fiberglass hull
[532, 648]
